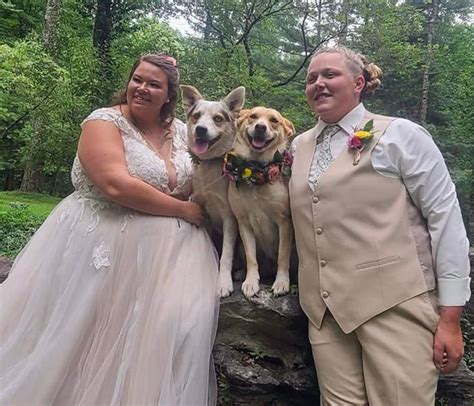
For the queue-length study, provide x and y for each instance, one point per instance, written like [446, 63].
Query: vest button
[319, 230]
[323, 262]
[325, 295]
[315, 199]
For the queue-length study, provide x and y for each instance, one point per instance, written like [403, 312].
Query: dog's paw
[225, 285]
[250, 287]
[281, 286]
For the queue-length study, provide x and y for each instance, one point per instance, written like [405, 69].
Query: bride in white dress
[113, 300]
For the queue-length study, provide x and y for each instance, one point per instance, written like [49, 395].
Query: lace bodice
[142, 162]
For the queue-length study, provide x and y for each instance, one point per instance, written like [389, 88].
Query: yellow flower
[363, 134]
[247, 172]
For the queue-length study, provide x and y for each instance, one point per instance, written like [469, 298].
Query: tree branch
[25, 114]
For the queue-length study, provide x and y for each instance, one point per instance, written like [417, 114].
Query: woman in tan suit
[384, 269]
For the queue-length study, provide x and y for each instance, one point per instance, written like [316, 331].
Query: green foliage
[17, 225]
[143, 36]
[39, 204]
[390, 36]
[37, 120]
[224, 395]
[18, 18]
[451, 110]
[20, 216]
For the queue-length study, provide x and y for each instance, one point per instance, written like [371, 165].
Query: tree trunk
[320, 18]
[9, 183]
[102, 39]
[345, 19]
[50, 30]
[32, 178]
[432, 20]
[250, 64]
[32, 173]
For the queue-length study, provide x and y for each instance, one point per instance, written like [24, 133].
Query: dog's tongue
[258, 143]
[200, 146]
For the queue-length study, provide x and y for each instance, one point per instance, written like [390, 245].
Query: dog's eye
[196, 116]
[253, 116]
[218, 119]
[274, 120]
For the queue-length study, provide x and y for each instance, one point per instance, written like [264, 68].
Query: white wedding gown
[110, 306]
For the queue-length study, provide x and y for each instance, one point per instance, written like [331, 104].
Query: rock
[262, 353]
[5, 265]
[457, 389]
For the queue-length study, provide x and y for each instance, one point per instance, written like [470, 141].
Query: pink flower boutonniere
[360, 139]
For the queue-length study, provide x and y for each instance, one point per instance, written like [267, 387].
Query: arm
[410, 153]
[102, 156]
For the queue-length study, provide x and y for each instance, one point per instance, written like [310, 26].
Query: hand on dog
[192, 213]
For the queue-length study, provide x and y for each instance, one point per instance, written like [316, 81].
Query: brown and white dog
[211, 133]
[261, 206]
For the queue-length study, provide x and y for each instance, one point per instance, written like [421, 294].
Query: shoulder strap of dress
[105, 114]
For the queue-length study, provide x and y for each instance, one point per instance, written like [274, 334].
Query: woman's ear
[359, 84]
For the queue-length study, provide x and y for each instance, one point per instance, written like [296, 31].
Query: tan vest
[363, 246]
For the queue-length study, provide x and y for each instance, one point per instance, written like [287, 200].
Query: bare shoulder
[99, 129]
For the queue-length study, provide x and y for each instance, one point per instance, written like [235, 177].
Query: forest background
[60, 59]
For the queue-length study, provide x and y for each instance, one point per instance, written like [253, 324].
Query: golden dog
[258, 194]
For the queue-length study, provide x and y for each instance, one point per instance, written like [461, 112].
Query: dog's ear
[190, 96]
[243, 115]
[235, 100]
[289, 127]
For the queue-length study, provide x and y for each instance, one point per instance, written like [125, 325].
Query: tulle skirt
[108, 306]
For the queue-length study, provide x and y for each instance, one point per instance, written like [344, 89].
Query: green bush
[17, 224]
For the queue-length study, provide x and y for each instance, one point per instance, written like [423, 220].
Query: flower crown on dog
[360, 138]
[256, 173]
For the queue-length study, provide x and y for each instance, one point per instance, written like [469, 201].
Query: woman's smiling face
[332, 89]
[147, 89]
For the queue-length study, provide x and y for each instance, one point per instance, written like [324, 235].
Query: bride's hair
[169, 66]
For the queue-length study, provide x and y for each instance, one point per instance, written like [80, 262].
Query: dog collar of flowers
[256, 173]
[359, 139]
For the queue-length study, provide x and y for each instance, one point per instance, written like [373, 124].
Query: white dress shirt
[407, 151]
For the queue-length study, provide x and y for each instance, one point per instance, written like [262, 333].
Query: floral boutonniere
[255, 173]
[360, 138]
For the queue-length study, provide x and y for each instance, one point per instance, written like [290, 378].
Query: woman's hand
[192, 213]
[448, 348]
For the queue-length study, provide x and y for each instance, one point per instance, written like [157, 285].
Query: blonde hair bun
[372, 75]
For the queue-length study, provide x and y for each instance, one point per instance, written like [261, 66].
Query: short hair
[358, 64]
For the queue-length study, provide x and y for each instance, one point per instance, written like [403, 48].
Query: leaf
[369, 126]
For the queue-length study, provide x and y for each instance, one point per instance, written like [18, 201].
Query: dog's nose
[201, 131]
[260, 128]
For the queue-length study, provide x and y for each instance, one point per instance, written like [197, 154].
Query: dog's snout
[260, 128]
[201, 131]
